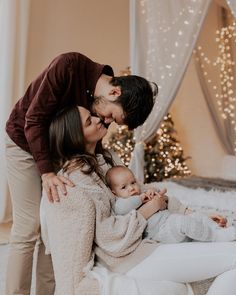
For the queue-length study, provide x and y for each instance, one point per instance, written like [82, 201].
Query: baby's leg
[178, 228]
[200, 227]
[169, 231]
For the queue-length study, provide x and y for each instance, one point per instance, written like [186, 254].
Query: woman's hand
[51, 181]
[155, 204]
[160, 201]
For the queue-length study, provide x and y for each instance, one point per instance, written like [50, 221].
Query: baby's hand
[162, 192]
[145, 198]
[162, 201]
[150, 193]
[221, 220]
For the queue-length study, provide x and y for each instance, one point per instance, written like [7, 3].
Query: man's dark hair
[136, 98]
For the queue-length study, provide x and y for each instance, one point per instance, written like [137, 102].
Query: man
[70, 79]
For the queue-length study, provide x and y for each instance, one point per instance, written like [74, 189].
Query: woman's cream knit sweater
[82, 226]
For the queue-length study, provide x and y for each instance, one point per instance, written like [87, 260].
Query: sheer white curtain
[14, 16]
[163, 35]
[216, 71]
[232, 6]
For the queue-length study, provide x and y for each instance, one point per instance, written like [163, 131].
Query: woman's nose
[108, 120]
[97, 120]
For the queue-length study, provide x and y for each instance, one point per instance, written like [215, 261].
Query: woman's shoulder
[83, 183]
[77, 176]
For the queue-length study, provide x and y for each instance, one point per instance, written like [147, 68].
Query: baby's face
[124, 184]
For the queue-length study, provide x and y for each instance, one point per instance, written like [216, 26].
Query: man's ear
[115, 91]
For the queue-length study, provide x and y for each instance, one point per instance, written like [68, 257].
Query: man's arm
[45, 104]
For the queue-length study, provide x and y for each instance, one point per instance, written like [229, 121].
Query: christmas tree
[164, 156]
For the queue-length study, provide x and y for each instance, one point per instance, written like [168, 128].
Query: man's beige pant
[25, 189]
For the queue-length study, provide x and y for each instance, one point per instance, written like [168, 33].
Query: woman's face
[93, 129]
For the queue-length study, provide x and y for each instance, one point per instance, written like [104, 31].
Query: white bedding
[213, 201]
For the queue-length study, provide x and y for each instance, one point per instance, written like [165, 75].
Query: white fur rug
[213, 201]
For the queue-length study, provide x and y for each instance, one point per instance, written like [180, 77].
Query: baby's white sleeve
[124, 206]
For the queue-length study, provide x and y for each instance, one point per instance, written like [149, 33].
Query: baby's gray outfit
[172, 226]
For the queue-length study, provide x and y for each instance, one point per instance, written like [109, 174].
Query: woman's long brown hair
[67, 144]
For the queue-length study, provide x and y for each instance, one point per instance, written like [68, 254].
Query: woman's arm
[71, 228]
[116, 235]
[148, 209]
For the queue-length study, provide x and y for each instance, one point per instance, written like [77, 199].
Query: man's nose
[108, 120]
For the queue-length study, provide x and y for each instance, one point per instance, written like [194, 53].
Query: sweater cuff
[45, 166]
[142, 220]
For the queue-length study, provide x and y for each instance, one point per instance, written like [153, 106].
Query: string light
[225, 92]
[163, 154]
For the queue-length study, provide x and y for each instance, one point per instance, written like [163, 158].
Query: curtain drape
[14, 16]
[163, 35]
[216, 71]
[232, 6]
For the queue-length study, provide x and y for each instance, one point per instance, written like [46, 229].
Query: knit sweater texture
[82, 227]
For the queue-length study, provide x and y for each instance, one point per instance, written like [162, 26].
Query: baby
[175, 224]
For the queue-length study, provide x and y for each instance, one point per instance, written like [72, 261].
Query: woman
[82, 226]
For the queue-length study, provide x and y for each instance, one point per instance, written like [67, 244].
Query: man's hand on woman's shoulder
[51, 182]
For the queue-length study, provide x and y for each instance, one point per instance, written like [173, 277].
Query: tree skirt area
[198, 199]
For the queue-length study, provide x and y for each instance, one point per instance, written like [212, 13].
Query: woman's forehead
[84, 113]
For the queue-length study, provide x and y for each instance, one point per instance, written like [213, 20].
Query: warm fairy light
[163, 154]
[224, 93]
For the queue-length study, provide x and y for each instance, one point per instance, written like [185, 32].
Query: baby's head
[122, 182]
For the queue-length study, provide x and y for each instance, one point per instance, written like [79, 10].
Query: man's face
[108, 110]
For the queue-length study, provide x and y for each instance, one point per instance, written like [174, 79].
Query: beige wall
[195, 129]
[99, 29]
